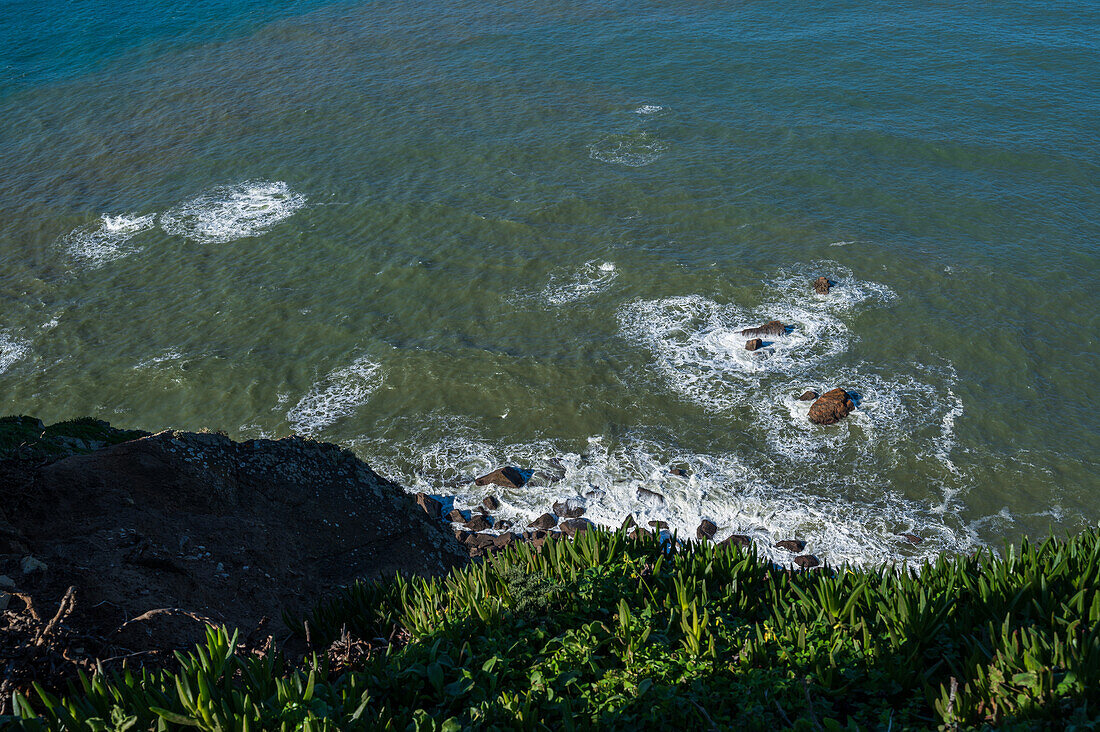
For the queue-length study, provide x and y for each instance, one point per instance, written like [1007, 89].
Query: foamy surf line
[635, 479]
[225, 213]
[337, 395]
[106, 239]
[592, 279]
[12, 349]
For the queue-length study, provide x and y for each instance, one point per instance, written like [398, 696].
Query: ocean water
[463, 234]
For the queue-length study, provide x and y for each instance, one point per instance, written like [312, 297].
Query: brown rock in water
[478, 523]
[431, 506]
[568, 509]
[503, 540]
[706, 530]
[911, 538]
[502, 525]
[807, 561]
[736, 540]
[508, 477]
[830, 407]
[651, 498]
[754, 344]
[545, 521]
[771, 328]
[808, 396]
[569, 527]
[456, 516]
[629, 522]
[791, 545]
[822, 285]
[490, 503]
[678, 471]
[659, 525]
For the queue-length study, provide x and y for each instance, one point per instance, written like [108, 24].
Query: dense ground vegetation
[613, 632]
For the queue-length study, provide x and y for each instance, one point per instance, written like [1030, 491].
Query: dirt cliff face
[161, 534]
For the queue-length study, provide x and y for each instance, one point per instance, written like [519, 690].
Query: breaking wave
[106, 239]
[231, 212]
[336, 396]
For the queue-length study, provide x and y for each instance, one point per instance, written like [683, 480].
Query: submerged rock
[911, 538]
[651, 498]
[508, 477]
[571, 508]
[490, 503]
[736, 540]
[832, 406]
[822, 285]
[771, 328]
[754, 344]
[808, 396]
[791, 545]
[706, 530]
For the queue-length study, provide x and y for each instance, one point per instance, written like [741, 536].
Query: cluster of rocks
[832, 406]
[564, 521]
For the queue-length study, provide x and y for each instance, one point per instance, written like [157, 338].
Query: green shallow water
[486, 233]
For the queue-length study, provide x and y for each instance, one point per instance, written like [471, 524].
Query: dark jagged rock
[490, 503]
[431, 506]
[736, 540]
[507, 477]
[807, 561]
[456, 516]
[629, 522]
[706, 530]
[678, 471]
[771, 328]
[545, 521]
[570, 508]
[478, 523]
[659, 525]
[822, 285]
[808, 396]
[502, 525]
[831, 407]
[569, 527]
[791, 545]
[754, 344]
[503, 540]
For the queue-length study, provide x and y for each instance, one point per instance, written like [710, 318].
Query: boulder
[478, 523]
[832, 406]
[807, 561]
[503, 540]
[569, 527]
[791, 545]
[545, 521]
[571, 508]
[659, 525]
[678, 471]
[736, 540]
[502, 525]
[431, 506]
[490, 503]
[808, 396]
[628, 522]
[754, 344]
[822, 285]
[771, 328]
[456, 516]
[507, 477]
[706, 530]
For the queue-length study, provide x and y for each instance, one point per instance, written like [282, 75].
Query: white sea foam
[336, 396]
[699, 349]
[12, 349]
[107, 239]
[633, 149]
[646, 109]
[225, 213]
[592, 278]
[857, 524]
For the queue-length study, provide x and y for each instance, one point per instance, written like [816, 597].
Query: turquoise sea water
[465, 234]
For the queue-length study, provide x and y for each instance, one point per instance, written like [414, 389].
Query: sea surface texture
[456, 235]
